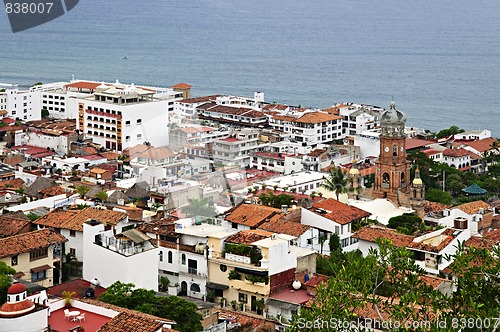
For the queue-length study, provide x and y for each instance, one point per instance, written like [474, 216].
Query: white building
[457, 158]
[237, 148]
[473, 135]
[333, 217]
[309, 128]
[121, 116]
[128, 256]
[369, 144]
[301, 182]
[357, 118]
[22, 104]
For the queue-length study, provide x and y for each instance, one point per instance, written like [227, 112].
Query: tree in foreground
[389, 285]
[5, 281]
[172, 307]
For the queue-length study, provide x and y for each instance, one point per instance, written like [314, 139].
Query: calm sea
[439, 60]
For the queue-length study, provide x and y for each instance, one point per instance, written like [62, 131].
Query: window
[192, 266]
[223, 267]
[206, 313]
[161, 256]
[242, 297]
[139, 121]
[72, 251]
[169, 257]
[127, 138]
[183, 259]
[36, 276]
[234, 225]
[139, 136]
[38, 253]
[127, 123]
[72, 233]
[13, 260]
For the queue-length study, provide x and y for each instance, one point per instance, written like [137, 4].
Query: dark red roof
[16, 289]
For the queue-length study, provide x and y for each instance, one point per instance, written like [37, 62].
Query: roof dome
[16, 309]
[16, 288]
[417, 181]
[392, 116]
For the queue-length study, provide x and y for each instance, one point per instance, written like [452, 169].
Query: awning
[213, 285]
[40, 268]
[252, 272]
[474, 189]
[136, 236]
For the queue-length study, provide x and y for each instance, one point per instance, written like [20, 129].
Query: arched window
[394, 150]
[195, 288]
[386, 178]
[403, 180]
[183, 259]
[169, 257]
[161, 256]
[17, 298]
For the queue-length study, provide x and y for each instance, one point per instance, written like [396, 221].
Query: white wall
[75, 242]
[33, 322]
[108, 266]
[281, 258]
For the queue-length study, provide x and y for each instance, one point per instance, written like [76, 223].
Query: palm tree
[336, 181]
[102, 196]
[199, 207]
[81, 190]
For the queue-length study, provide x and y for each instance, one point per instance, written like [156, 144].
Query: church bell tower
[392, 170]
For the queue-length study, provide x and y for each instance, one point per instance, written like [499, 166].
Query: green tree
[454, 184]
[81, 190]
[453, 130]
[45, 113]
[334, 242]
[5, 280]
[102, 196]
[406, 223]
[172, 307]
[270, 199]
[336, 181]
[439, 196]
[199, 207]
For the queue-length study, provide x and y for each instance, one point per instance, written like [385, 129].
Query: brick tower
[392, 170]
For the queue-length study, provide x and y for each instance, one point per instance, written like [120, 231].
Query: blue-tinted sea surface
[439, 60]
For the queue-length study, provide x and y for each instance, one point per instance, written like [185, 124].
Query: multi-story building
[357, 118]
[21, 104]
[235, 116]
[33, 255]
[121, 116]
[237, 148]
[310, 127]
[457, 158]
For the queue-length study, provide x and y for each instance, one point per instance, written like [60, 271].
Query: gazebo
[474, 189]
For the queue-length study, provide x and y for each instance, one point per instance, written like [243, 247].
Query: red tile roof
[197, 100]
[481, 242]
[493, 235]
[181, 85]
[18, 244]
[473, 207]
[12, 184]
[253, 215]
[446, 238]
[482, 145]
[79, 286]
[455, 152]
[83, 85]
[338, 212]
[149, 152]
[316, 280]
[11, 226]
[413, 143]
[282, 226]
[373, 233]
[248, 236]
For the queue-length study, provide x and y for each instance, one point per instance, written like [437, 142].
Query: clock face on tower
[401, 148]
[386, 149]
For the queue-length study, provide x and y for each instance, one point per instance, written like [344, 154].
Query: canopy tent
[474, 189]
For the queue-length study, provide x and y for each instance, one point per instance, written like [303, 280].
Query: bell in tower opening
[392, 170]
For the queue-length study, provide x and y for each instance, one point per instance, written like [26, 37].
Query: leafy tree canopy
[270, 199]
[439, 196]
[389, 285]
[406, 223]
[199, 207]
[172, 307]
[5, 282]
[450, 131]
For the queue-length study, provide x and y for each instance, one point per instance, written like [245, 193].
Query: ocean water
[439, 60]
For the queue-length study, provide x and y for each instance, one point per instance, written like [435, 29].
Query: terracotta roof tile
[433, 281]
[56, 218]
[431, 207]
[373, 233]
[493, 235]
[284, 227]
[455, 152]
[316, 280]
[165, 226]
[482, 145]
[473, 207]
[247, 322]
[338, 212]
[11, 226]
[22, 243]
[12, 184]
[446, 238]
[53, 191]
[149, 152]
[131, 323]
[199, 99]
[253, 215]
[248, 236]
[481, 242]
[181, 85]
